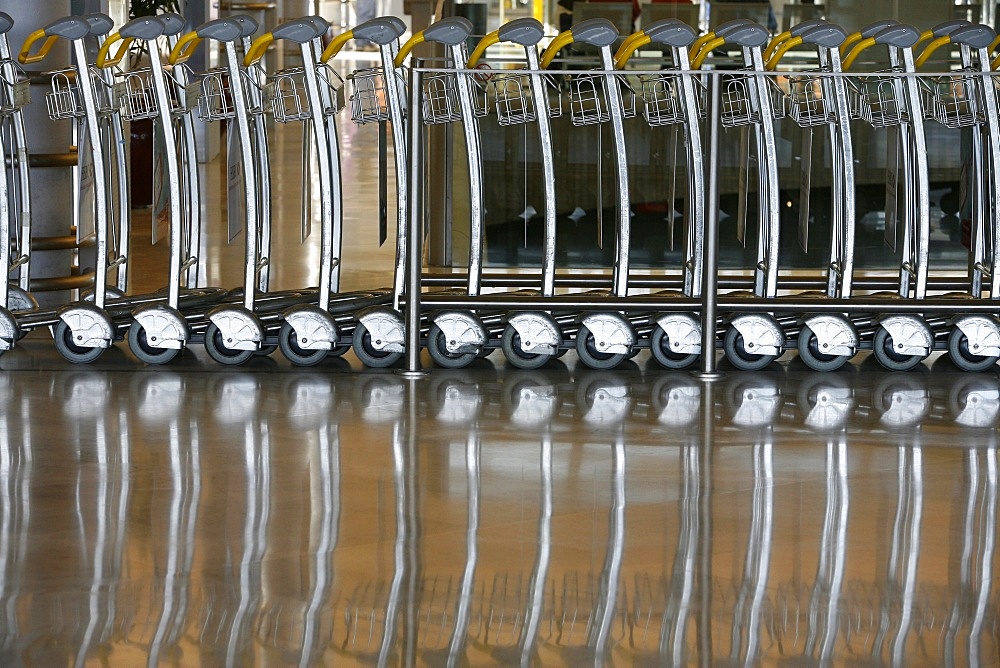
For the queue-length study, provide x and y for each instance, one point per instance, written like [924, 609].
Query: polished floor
[266, 515]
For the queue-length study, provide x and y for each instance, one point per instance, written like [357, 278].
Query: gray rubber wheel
[63, 336]
[437, 346]
[217, 350]
[811, 356]
[738, 356]
[141, 348]
[511, 344]
[888, 358]
[586, 349]
[659, 347]
[289, 344]
[370, 356]
[963, 358]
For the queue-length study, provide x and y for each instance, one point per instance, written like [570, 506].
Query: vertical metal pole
[710, 266]
[416, 226]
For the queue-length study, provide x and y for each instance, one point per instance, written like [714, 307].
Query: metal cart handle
[70, 27]
[976, 36]
[720, 31]
[144, 28]
[940, 30]
[899, 36]
[826, 35]
[748, 34]
[172, 23]
[452, 30]
[221, 30]
[668, 32]
[100, 24]
[598, 32]
[795, 31]
[300, 32]
[866, 32]
[524, 31]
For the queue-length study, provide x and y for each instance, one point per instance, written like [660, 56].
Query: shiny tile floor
[200, 515]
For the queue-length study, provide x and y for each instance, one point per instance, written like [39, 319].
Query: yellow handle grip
[698, 43]
[257, 49]
[630, 46]
[565, 38]
[709, 47]
[856, 51]
[336, 44]
[184, 48]
[924, 36]
[995, 64]
[627, 43]
[485, 43]
[931, 48]
[781, 51]
[773, 45]
[849, 41]
[103, 61]
[404, 50]
[23, 56]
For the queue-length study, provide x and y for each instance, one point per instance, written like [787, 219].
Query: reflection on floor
[201, 515]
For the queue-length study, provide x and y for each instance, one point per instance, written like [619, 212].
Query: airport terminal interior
[197, 513]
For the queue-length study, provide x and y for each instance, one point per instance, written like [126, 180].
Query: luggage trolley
[159, 331]
[671, 98]
[968, 99]
[826, 341]
[113, 146]
[754, 340]
[84, 329]
[605, 338]
[15, 201]
[456, 337]
[313, 93]
[530, 338]
[379, 96]
[236, 331]
[891, 99]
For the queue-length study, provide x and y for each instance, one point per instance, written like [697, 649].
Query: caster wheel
[288, 342]
[369, 355]
[586, 348]
[889, 358]
[963, 358]
[511, 344]
[659, 346]
[811, 356]
[144, 351]
[437, 346]
[738, 356]
[63, 336]
[217, 350]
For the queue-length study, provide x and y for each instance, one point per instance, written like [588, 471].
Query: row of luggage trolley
[459, 323]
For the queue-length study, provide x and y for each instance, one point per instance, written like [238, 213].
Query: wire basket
[15, 92]
[64, 99]
[136, 97]
[661, 102]
[952, 101]
[806, 101]
[216, 101]
[588, 100]
[739, 106]
[875, 101]
[287, 97]
[511, 93]
[441, 100]
[368, 101]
